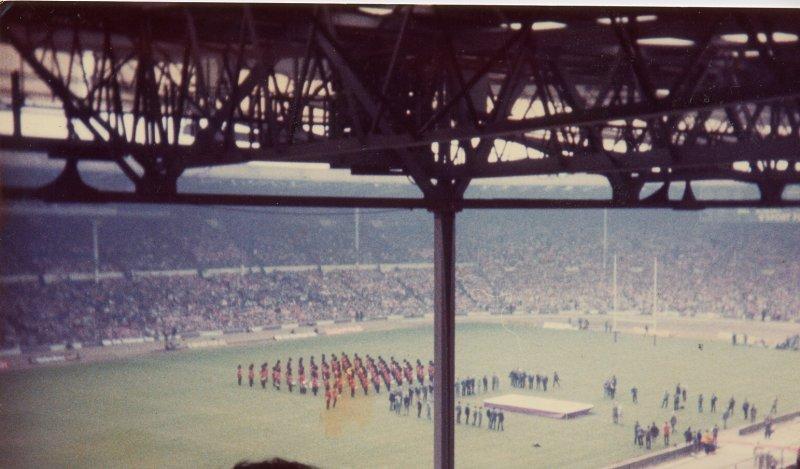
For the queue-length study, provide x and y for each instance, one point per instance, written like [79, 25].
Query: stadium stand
[206, 268]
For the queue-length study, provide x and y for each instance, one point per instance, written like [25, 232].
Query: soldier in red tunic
[351, 381]
[276, 376]
[376, 380]
[314, 376]
[338, 384]
[362, 378]
[289, 375]
[301, 376]
[264, 375]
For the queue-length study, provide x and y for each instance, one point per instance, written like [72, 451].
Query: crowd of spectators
[88, 312]
[206, 238]
[520, 263]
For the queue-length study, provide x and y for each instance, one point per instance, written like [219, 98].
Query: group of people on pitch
[340, 370]
[705, 441]
[495, 417]
[519, 379]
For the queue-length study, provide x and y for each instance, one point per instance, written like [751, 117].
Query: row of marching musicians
[337, 371]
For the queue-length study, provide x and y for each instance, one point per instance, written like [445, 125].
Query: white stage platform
[532, 405]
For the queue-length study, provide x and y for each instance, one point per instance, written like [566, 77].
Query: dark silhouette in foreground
[274, 463]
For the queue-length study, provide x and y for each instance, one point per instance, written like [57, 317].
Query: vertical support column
[156, 181]
[444, 324]
[771, 192]
[16, 103]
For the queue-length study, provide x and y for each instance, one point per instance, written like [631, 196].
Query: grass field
[185, 410]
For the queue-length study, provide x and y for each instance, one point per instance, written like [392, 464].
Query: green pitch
[185, 410]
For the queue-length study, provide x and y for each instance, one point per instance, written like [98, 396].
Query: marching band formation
[339, 371]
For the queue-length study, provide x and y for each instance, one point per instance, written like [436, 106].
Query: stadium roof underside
[443, 95]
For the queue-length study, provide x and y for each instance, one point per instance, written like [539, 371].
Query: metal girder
[722, 155]
[355, 85]
[102, 197]
[376, 143]
[513, 127]
[362, 94]
[72, 105]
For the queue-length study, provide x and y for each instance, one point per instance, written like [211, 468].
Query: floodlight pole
[95, 252]
[444, 324]
[655, 296]
[615, 300]
[358, 235]
[605, 239]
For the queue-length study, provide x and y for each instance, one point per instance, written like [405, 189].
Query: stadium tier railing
[756, 427]
[288, 268]
[165, 273]
[50, 277]
[337, 267]
[20, 278]
[655, 458]
[241, 270]
[127, 341]
[11, 352]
